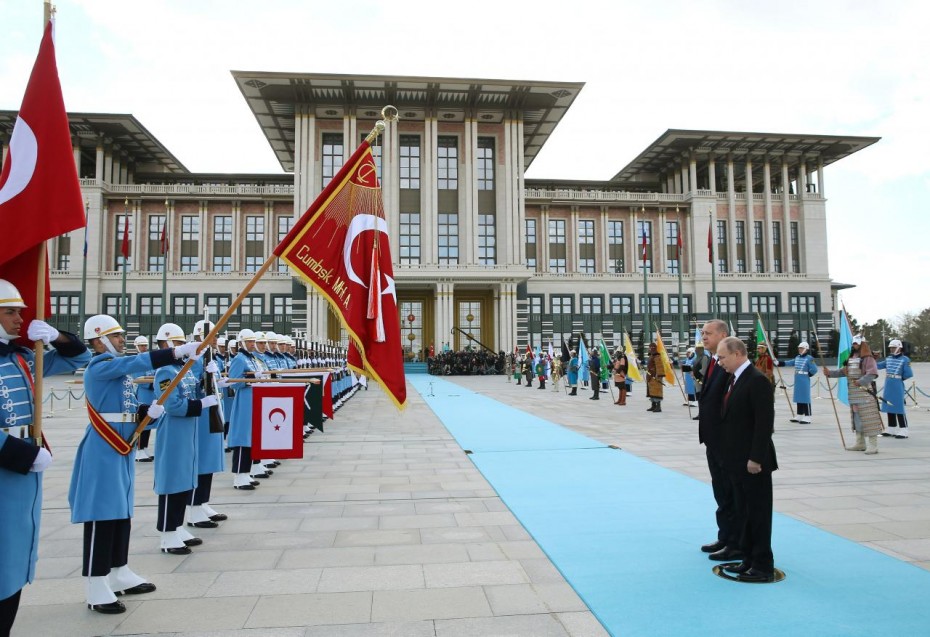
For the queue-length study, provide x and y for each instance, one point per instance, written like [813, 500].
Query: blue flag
[583, 372]
[844, 350]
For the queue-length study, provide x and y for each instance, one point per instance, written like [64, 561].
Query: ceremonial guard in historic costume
[621, 366]
[176, 447]
[804, 368]
[529, 369]
[210, 457]
[541, 372]
[518, 370]
[145, 395]
[573, 366]
[765, 364]
[103, 481]
[687, 366]
[655, 372]
[897, 368]
[861, 371]
[245, 364]
[21, 460]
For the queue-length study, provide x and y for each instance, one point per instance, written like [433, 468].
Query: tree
[915, 328]
[878, 334]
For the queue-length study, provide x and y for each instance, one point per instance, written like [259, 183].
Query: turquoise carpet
[625, 533]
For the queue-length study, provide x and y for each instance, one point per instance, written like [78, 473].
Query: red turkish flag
[277, 420]
[40, 195]
[710, 242]
[124, 247]
[341, 247]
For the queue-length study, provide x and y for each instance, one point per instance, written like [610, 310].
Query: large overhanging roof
[666, 153]
[273, 98]
[147, 153]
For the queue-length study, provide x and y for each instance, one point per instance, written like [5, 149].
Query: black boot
[574, 391]
[658, 408]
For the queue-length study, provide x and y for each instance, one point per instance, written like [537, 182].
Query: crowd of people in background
[468, 362]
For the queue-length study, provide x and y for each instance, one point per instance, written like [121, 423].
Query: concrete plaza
[387, 528]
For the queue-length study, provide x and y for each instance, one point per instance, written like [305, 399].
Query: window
[184, 304]
[222, 243]
[190, 243]
[120, 230]
[65, 303]
[586, 246]
[535, 303]
[252, 304]
[644, 229]
[776, 246]
[763, 303]
[447, 167]
[671, 247]
[409, 237]
[448, 238]
[802, 303]
[621, 304]
[557, 245]
[529, 231]
[254, 242]
[592, 304]
[757, 240]
[149, 304]
[795, 248]
[615, 246]
[63, 252]
[487, 240]
[673, 304]
[727, 303]
[722, 265]
[156, 249]
[409, 162]
[217, 304]
[740, 246]
[284, 222]
[111, 304]
[485, 163]
[333, 156]
[654, 301]
[562, 304]
[282, 305]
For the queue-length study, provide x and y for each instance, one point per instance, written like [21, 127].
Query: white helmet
[101, 325]
[221, 341]
[170, 332]
[272, 337]
[9, 295]
[895, 343]
[198, 328]
[803, 345]
[232, 343]
[857, 339]
[246, 335]
[141, 340]
[261, 337]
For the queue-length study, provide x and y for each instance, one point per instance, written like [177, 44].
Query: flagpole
[823, 366]
[713, 268]
[164, 268]
[648, 320]
[781, 381]
[122, 302]
[84, 270]
[681, 385]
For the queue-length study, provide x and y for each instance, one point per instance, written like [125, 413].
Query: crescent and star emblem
[358, 225]
[24, 152]
[277, 410]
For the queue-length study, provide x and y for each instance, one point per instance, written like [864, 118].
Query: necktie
[710, 368]
[726, 396]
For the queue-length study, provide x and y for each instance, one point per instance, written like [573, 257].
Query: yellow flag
[667, 370]
[633, 369]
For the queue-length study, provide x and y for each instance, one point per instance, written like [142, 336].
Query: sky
[826, 67]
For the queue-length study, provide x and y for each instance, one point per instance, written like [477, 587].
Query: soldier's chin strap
[107, 343]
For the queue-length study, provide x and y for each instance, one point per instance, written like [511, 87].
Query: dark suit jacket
[747, 423]
[710, 403]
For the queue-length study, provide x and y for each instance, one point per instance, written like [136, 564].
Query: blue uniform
[20, 489]
[804, 368]
[686, 368]
[210, 456]
[176, 445]
[897, 370]
[573, 371]
[240, 421]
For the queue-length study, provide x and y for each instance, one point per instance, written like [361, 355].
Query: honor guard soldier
[210, 458]
[861, 371]
[145, 394]
[655, 387]
[573, 367]
[687, 366]
[176, 446]
[245, 364]
[21, 460]
[103, 481]
[897, 368]
[804, 368]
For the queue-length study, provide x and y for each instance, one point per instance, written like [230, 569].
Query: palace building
[479, 249]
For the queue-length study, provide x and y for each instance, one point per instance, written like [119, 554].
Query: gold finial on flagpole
[389, 113]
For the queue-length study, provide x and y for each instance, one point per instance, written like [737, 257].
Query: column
[631, 244]
[786, 212]
[124, 169]
[76, 149]
[107, 165]
[802, 178]
[731, 213]
[542, 236]
[820, 187]
[270, 229]
[238, 230]
[712, 172]
[603, 256]
[139, 236]
[750, 248]
[683, 172]
[658, 239]
[571, 238]
[429, 191]
[204, 233]
[692, 171]
[115, 166]
[767, 224]
[98, 170]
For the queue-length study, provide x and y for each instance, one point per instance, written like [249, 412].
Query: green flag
[760, 334]
[605, 361]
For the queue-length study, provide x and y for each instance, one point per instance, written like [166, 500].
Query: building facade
[482, 255]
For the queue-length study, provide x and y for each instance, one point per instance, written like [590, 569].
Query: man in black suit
[726, 548]
[746, 425]
[594, 366]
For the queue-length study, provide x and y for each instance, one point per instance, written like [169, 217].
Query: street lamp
[471, 337]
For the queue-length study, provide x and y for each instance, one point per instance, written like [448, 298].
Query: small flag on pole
[633, 371]
[844, 351]
[710, 243]
[124, 246]
[667, 372]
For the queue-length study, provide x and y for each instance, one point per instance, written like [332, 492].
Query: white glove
[212, 368]
[223, 383]
[209, 401]
[41, 331]
[188, 349]
[261, 375]
[155, 411]
[43, 460]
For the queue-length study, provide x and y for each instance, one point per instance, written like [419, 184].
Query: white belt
[118, 416]
[894, 376]
[19, 431]
[797, 373]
